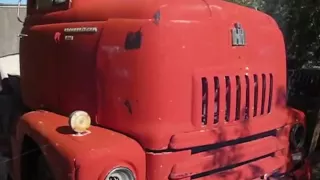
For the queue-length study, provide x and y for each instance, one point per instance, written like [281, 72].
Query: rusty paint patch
[157, 17]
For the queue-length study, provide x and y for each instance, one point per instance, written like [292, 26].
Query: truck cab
[175, 90]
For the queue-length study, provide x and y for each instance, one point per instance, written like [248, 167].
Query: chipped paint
[128, 105]
[216, 7]
[81, 134]
[184, 21]
[122, 73]
[163, 6]
[159, 154]
[112, 49]
[157, 17]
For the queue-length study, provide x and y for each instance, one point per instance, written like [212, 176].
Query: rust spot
[128, 105]
[156, 17]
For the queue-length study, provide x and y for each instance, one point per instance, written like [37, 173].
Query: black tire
[43, 170]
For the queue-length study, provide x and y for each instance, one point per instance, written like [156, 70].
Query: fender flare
[82, 157]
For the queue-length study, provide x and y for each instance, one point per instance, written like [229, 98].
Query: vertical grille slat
[243, 97]
[259, 98]
[222, 100]
[234, 98]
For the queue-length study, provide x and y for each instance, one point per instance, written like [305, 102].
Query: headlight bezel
[121, 169]
[297, 136]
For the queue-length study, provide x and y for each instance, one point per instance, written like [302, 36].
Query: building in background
[10, 28]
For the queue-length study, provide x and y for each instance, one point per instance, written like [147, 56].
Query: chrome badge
[81, 30]
[238, 35]
[68, 38]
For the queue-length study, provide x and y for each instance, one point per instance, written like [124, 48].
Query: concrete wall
[10, 28]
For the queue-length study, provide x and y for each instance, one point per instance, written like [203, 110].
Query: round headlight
[297, 136]
[79, 121]
[120, 173]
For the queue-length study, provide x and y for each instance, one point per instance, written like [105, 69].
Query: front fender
[80, 158]
[295, 116]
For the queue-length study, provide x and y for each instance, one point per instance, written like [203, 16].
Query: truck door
[38, 52]
[77, 65]
[59, 63]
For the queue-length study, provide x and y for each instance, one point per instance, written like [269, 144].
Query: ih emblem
[238, 35]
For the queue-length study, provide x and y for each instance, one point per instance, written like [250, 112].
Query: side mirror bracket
[18, 12]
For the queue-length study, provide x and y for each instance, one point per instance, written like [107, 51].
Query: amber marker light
[80, 122]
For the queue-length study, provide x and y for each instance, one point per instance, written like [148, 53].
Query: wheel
[43, 170]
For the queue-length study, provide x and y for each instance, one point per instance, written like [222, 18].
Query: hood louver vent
[232, 97]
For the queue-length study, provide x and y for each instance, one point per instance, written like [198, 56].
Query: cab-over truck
[172, 89]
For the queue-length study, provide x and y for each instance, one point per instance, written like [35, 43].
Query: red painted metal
[153, 94]
[220, 158]
[226, 133]
[86, 157]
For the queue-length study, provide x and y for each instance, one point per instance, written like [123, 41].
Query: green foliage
[257, 4]
[300, 23]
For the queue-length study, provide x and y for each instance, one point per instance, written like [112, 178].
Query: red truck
[179, 90]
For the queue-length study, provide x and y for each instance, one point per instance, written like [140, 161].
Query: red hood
[153, 93]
